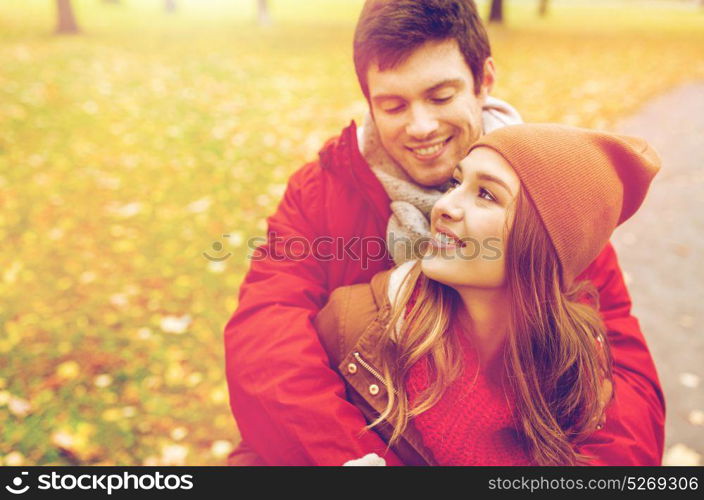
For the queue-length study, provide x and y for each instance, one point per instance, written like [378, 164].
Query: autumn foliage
[129, 151]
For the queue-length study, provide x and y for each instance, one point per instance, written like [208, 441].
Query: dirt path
[662, 253]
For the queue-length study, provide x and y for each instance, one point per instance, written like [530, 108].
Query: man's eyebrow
[450, 82]
[383, 97]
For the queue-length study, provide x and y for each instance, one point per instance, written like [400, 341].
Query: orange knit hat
[582, 182]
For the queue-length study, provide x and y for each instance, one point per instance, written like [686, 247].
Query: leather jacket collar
[350, 327]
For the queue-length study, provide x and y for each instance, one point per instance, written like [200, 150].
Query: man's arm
[289, 404]
[634, 429]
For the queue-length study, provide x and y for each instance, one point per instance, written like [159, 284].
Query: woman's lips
[446, 239]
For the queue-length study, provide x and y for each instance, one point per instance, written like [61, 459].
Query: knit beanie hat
[582, 182]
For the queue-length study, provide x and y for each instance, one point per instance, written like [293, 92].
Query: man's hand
[607, 390]
[370, 460]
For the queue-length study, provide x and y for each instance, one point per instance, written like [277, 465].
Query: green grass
[129, 150]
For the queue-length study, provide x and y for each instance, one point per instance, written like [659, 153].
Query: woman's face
[478, 211]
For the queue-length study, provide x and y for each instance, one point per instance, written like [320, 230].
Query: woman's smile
[445, 238]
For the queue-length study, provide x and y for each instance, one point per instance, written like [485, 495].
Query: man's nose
[422, 123]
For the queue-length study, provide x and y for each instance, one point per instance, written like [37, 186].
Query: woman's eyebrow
[488, 177]
[485, 177]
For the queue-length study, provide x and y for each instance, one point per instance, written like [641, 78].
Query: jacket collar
[365, 355]
[341, 156]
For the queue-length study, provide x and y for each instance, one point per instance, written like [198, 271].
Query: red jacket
[329, 231]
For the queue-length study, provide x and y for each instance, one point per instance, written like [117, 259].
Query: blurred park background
[129, 149]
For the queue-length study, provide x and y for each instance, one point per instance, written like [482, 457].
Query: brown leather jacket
[350, 327]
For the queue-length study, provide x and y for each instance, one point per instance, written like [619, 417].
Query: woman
[486, 351]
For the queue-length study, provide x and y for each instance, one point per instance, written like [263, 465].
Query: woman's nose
[422, 123]
[452, 214]
[446, 209]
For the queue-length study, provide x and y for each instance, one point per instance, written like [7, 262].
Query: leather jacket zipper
[371, 369]
[412, 443]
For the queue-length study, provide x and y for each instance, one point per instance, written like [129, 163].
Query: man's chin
[429, 175]
[431, 178]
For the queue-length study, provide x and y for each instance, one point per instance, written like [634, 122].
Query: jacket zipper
[376, 375]
[371, 369]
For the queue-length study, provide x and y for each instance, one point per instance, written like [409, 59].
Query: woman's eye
[483, 193]
[453, 183]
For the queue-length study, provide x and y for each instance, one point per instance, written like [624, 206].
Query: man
[426, 70]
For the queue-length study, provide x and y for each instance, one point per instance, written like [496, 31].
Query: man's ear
[489, 77]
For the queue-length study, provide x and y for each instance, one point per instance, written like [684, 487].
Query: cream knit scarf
[410, 202]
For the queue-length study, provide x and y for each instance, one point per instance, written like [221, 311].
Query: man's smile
[429, 151]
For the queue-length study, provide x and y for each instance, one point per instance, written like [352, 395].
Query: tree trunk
[543, 8]
[66, 22]
[170, 5]
[263, 17]
[496, 14]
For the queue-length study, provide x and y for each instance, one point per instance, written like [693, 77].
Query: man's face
[426, 110]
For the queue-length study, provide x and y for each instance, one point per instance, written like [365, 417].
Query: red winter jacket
[330, 231]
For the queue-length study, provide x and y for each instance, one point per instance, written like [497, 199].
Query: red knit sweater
[472, 424]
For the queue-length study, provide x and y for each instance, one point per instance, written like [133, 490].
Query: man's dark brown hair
[388, 31]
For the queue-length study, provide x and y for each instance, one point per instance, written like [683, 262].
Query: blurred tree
[496, 13]
[263, 17]
[66, 22]
[543, 8]
[111, 1]
[170, 5]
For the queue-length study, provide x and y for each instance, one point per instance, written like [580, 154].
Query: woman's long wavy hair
[554, 368]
